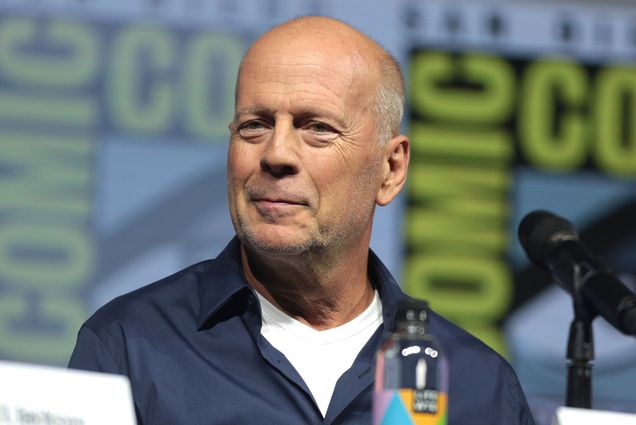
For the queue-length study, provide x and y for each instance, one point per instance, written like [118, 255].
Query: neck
[320, 292]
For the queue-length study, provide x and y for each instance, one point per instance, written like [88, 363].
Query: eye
[252, 128]
[319, 134]
[251, 125]
[320, 128]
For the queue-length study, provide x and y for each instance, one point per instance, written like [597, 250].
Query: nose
[280, 157]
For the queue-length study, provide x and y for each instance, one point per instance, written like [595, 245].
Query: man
[283, 326]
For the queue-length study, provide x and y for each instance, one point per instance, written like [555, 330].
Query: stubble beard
[318, 249]
[329, 240]
[257, 243]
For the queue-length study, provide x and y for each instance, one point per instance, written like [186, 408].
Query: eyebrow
[300, 113]
[255, 110]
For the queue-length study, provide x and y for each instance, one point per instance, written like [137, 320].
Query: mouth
[278, 201]
[279, 196]
[275, 209]
[270, 205]
[279, 205]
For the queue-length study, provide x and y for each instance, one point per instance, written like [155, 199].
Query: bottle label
[410, 407]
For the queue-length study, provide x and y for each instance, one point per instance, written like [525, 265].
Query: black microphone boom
[552, 242]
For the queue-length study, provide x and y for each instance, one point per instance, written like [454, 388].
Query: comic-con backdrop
[113, 134]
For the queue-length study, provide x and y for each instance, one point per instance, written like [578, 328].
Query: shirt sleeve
[91, 353]
[522, 414]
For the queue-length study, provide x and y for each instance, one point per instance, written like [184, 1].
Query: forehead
[306, 68]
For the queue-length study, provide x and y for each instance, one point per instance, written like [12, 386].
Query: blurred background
[113, 136]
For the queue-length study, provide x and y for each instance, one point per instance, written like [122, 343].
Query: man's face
[303, 162]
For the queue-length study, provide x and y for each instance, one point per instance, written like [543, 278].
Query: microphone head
[540, 232]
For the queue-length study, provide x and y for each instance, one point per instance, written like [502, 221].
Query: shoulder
[466, 351]
[480, 379]
[177, 291]
[153, 312]
[163, 313]
[458, 341]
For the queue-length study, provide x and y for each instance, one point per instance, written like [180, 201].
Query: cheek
[359, 185]
[325, 170]
[337, 186]
[238, 164]
[237, 175]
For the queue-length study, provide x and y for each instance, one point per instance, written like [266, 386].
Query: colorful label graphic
[410, 407]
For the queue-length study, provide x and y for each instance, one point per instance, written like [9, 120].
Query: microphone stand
[580, 352]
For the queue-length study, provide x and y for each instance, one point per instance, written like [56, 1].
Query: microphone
[551, 242]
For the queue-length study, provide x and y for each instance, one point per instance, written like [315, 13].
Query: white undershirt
[320, 357]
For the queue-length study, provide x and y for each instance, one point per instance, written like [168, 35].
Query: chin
[276, 244]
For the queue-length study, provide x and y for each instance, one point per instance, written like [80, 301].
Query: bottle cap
[412, 310]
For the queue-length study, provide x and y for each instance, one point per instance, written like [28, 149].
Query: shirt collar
[223, 285]
[390, 292]
[223, 288]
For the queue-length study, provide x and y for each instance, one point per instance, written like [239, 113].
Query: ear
[395, 164]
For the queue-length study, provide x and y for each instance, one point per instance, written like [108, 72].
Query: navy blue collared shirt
[192, 348]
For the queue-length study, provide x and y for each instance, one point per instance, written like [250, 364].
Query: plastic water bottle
[411, 381]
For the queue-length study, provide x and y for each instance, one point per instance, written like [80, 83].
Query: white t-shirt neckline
[320, 357]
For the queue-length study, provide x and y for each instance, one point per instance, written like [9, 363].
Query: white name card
[575, 416]
[42, 395]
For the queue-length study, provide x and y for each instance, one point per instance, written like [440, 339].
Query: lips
[278, 196]
[273, 210]
[270, 202]
[278, 203]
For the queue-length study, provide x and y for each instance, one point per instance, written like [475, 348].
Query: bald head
[371, 65]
